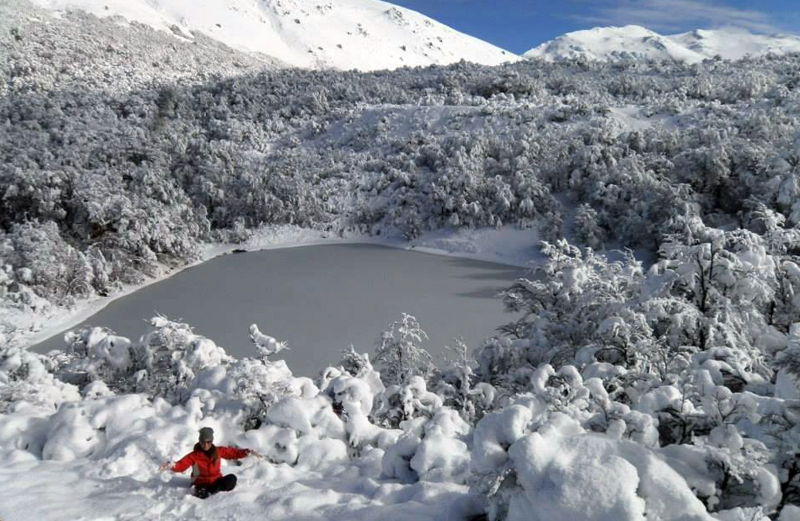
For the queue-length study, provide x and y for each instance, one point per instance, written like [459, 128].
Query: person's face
[206, 444]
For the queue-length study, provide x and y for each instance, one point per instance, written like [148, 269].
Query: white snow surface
[339, 34]
[633, 41]
[123, 483]
[96, 458]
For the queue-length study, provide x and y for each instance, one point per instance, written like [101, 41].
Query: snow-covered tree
[399, 352]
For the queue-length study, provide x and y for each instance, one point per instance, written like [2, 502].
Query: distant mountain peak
[636, 42]
[338, 34]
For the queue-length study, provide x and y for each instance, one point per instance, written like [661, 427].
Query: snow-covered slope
[733, 44]
[608, 43]
[633, 41]
[342, 34]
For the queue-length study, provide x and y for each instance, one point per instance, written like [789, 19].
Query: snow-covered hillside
[340, 34]
[733, 44]
[633, 41]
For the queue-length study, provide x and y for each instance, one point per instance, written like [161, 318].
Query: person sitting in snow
[205, 462]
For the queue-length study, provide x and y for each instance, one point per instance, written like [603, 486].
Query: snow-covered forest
[678, 377]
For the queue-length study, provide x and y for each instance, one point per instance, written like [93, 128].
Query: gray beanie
[206, 434]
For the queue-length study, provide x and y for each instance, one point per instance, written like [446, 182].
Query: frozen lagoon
[320, 299]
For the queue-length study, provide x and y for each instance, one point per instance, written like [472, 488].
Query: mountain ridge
[636, 42]
[340, 34]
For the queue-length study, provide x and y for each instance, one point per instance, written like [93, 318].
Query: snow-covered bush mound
[565, 473]
[26, 380]
[163, 362]
[689, 367]
[558, 446]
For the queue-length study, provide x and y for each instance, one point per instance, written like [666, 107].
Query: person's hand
[256, 454]
[165, 466]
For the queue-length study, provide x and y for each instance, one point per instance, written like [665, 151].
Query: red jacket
[204, 470]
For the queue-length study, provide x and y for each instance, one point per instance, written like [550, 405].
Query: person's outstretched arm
[235, 453]
[181, 465]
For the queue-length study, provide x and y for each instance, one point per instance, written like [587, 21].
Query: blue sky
[520, 25]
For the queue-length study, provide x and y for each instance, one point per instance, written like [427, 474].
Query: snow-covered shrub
[681, 355]
[173, 340]
[537, 453]
[99, 354]
[306, 426]
[399, 354]
[587, 228]
[443, 454]
[279, 443]
[248, 387]
[26, 380]
[562, 472]
[359, 366]
[80, 429]
[733, 466]
[353, 362]
[492, 474]
[266, 345]
[788, 359]
[579, 298]
[352, 399]
[455, 384]
[396, 461]
[162, 363]
[319, 453]
[398, 403]
[20, 364]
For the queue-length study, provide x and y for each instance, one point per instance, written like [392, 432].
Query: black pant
[223, 484]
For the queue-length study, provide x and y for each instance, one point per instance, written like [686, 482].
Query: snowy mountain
[733, 44]
[340, 34]
[633, 41]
